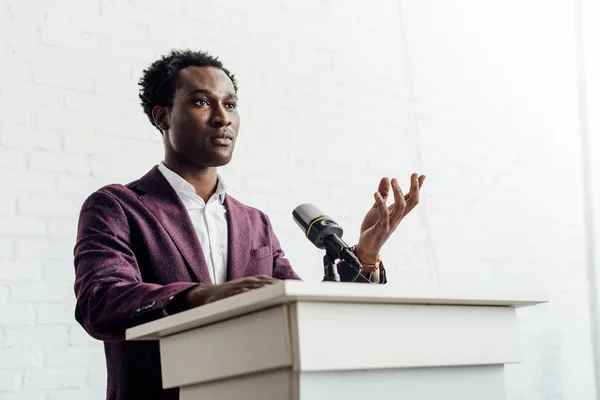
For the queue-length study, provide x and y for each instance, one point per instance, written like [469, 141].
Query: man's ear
[160, 115]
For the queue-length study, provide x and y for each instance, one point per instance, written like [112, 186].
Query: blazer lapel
[239, 230]
[160, 198]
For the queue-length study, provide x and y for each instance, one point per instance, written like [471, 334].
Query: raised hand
[381, 221]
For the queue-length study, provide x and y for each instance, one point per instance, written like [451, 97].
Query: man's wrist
[181, 301]
[369, 261]
[366, 258]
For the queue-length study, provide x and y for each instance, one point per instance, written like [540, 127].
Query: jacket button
[146, 306]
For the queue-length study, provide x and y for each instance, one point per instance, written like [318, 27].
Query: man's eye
[231, 105]
[202, 102]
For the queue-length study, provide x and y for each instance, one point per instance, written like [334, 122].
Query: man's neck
[203, 179]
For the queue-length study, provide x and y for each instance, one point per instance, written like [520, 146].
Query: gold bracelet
[374, 266]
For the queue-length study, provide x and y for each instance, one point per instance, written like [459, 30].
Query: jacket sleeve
[111, 296]
[282, 268]
[348, 274]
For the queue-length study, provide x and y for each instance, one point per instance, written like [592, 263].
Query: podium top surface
[291, 291]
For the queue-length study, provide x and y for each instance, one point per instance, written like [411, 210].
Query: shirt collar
[180, 185]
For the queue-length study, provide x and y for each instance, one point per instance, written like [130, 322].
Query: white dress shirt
[209, 220]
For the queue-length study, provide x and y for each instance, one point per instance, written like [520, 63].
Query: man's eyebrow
[201, 91]
[206, 91]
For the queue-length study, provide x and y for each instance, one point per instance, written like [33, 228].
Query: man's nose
[219, 117]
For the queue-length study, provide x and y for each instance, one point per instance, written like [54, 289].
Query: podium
[296, 340]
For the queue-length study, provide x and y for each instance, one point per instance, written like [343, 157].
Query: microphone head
[318, 227]
[304, 214]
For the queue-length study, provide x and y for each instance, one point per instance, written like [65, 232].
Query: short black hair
[160, 79]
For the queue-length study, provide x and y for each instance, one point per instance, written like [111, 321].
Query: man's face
[203, 123]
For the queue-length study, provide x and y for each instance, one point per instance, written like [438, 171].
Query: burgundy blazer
[136, 249]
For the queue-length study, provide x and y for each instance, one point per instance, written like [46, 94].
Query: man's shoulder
[132, 189]
[116, 191]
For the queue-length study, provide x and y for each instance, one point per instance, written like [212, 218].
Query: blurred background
[496, 102]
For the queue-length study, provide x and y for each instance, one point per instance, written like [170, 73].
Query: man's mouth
[222, 139]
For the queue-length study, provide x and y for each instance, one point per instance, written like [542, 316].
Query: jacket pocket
[260, 253]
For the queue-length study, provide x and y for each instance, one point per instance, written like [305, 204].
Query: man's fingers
[384, 213]
[235, 290]
[399, 201]
[259, 279]
[413, 198]
[414, 185]
[421, 180]
[254, 282]
[384, 189]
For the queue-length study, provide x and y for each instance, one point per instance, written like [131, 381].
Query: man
[174, 239]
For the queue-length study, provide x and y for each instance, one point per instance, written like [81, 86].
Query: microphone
[326, 234]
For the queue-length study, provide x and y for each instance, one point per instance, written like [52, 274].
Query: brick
[6, 246]
[23, 396]
[126, 12]
[102, 27]
[13, 74]
[18, 115]
[110, 170]
[26, 181]
[55, 314]
[57, 16]
[79, 337]
[97, 377]
[17, 315]
[48, 205]
[7, 204]
[43, 249]
[10, 381]
[63, 228]
[49, 161]
[11, 359]
[39, 336]
[149, 153]
[90, 144]
[108, 86]
[76, 394]
[30, 96]
[22, 225]
[39, 292]
[63, 120]
[54, 379]
[25, 11]
[89, 103]
[20, 271]
[87, 7]
[59, 271]
[38, 54]
[126, 129]
[4, 295]
[66, 357]
[78, 186]
[30, 138]
[12, 158]
[158, 5]
[62, 78]
[56, 36]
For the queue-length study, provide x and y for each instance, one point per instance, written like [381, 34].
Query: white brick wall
[480, 96]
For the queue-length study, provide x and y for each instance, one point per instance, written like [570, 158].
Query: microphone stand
[331, 272]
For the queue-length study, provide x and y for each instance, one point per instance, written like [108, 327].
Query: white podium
[298, 340]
